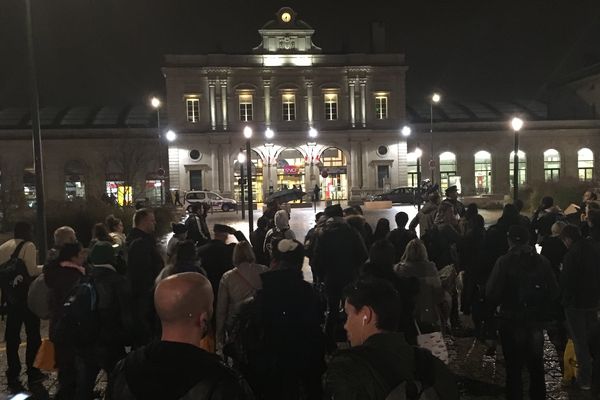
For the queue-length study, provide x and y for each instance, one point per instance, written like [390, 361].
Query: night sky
[97, 52]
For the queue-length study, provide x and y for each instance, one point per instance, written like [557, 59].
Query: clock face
[286, 17]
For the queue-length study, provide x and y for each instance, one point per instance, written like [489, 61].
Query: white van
[217, 201]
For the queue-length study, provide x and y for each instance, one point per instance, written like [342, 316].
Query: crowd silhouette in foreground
[210, 317]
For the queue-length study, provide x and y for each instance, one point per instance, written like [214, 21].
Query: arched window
[522, 167]
[334, 174]
[447, 169]
[551, 165]
[483, 172]
[585, 164]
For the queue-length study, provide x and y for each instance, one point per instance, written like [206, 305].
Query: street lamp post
[517, 124]
[156, 103]
[418, 154]
[312, 134]
[248, 136]
[269, 134]
[435, 98]
[241, 160]
[37, 139]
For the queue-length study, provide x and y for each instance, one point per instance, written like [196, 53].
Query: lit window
[551, 165]
[289, 107]
[192, 105]
[245, 107]
[331, 106]
[585, 164]
[381, 107]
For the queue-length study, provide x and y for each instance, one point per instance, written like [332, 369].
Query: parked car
[397, 195]
[217, 201]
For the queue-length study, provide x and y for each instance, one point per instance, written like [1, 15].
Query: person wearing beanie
[281, 230]
[179, 235]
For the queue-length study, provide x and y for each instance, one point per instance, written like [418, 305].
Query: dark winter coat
[400, 238]
[339, 252]
[60, 281]
[175, 371]
[257, 240]
[580, 277]
[216, 258]
[197, 229]
[503, 286]
[371, 371]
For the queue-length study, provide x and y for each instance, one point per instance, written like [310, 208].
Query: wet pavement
[479, 376]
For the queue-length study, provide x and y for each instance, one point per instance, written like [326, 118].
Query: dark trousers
[333, 320]
[558, 335]
[89, 362]
[17, 316]
[523, 346]
[67, 372]
[582, 323]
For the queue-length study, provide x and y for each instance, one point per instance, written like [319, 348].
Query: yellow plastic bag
[45, 359]
[570, 363]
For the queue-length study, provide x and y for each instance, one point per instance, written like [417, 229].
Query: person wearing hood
[179, 235]
[522, 285]
[281, 230]
[452, 198]
[176, 367]
[425, 218]
[339, 253]
[144, 263]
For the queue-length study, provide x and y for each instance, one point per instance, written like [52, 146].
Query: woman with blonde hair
[236, 287]
[415, 264]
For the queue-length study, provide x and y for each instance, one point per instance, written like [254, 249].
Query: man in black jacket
[522, 284]
[339, 252]
[197, 230]
[144, 263]
[176, 367]
[580, 287]
[380, 360]
[216, 256]
[401, 236]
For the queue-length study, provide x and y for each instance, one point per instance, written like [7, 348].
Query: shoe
[16, 387]
[36, 376]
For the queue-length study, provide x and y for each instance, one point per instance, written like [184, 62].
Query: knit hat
[102, 253]
[451, 189]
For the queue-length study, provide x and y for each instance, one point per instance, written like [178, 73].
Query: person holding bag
[18, 258]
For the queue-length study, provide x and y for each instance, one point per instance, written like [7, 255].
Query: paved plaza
[480, 376]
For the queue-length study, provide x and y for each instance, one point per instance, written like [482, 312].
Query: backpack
[79, 322]
[275, 236]
[530, 295]
[14, 278]
[38, 297]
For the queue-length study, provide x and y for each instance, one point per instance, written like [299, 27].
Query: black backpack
[79, 323]
[14, 278]
[434, 243]
[530, 297]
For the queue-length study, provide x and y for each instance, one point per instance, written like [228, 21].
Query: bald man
[176, 367]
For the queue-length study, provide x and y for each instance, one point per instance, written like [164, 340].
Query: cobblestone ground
[479, 376]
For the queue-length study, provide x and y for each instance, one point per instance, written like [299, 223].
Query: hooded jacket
[170, 371]
[144, 262]
[339, 253]
[580, 278]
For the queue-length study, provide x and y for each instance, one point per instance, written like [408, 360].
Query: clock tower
[286, 34]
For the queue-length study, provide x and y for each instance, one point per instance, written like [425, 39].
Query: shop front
[334, 175]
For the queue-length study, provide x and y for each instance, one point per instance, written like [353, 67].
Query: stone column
[363, 102]
[352, 85]
[223, 84]
[309, 100]
[267, 89]
[213, 104]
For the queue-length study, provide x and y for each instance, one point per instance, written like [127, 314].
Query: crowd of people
[210, 317]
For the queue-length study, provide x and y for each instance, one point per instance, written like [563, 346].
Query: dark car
[398, 195]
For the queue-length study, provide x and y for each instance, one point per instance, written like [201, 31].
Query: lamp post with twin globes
[516, 124]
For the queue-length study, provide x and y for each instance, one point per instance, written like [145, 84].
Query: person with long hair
[382, 229]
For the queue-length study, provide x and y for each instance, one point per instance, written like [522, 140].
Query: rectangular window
[381, 107]
[331, 106]
[383, 175]
[289, 107]
[192, 105]
[245, 107]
